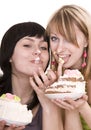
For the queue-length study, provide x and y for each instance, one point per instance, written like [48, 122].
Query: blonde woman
[69, 31]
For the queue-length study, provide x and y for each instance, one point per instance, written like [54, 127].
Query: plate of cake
[13, 112]
[17, 123]
[71, 84]
[63, 96]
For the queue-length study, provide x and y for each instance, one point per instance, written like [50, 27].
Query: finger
[11, 127]
[44, 77]
[75, 103]
[39, 81]
[85, 97]
[60, 64]
[14, 127]
[34, 85]
[51, 76]
[64, 104]
[58, 104]
[71, 101]
[47, 78]
[2, 125]
[19, 128]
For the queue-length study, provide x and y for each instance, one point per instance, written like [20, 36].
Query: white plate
[9, 122]
[74, 96]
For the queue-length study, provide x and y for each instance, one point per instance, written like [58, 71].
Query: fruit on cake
[12, 111]
[72, 81]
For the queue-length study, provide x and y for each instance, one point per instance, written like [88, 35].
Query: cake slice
[72, 81]
[13, 112]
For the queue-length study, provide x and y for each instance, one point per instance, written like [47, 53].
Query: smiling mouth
[37, 61]
[64, 57]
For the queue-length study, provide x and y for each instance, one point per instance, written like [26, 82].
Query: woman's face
[71, 54]
[30, 53]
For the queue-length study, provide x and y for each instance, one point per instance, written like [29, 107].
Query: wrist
[83, 107]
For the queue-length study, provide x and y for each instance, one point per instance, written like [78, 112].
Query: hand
[3, 126]
[70, 104]
[42, 80]
[39, 83]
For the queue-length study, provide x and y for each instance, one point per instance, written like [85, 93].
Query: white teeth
[62, 56]
[37, 60]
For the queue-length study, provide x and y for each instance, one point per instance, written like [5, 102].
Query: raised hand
[40, 81]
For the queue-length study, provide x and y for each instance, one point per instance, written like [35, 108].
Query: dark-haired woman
[24, 57]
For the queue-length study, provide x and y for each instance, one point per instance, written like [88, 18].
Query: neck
[21, 87]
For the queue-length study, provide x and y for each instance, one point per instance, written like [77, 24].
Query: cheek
[20, 55]
[18, 63]
[53, 47]
[18, 59]
[46, 59]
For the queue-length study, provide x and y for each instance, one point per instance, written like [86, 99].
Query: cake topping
[10, 107]
[73, 73]
[72, 81]
[9, 96]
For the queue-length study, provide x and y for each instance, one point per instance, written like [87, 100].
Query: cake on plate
[72, 81]
[12, 111]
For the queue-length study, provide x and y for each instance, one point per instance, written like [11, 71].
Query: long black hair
[8, 43]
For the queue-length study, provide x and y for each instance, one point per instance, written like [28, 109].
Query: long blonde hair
[63, 21]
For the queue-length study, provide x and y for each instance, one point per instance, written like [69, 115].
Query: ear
[86, 44]
[10, 60]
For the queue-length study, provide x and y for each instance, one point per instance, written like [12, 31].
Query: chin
[66, 66]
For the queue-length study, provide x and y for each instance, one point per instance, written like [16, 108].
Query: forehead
[27, 38]
[30, 40]
[76, 36]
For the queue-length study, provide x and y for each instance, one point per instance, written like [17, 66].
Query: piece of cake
[72, 81]
[13, 112]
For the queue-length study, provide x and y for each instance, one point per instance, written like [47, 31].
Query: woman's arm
[72, 117]
[72, 120]
[88, 89]
[52, 119]
[85, 111]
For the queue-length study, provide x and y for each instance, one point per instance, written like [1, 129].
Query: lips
[65, 57]
[37, 61]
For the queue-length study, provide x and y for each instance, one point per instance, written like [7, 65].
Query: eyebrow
[53, 33]
[30, 39]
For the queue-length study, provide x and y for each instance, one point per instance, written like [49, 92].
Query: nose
[60, 47]
[37, 52]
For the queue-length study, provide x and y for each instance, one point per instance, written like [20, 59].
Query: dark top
[36, 123]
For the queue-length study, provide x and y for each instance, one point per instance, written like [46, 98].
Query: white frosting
[80, 88]
[15, 111]
[68, 86]
[72, 73]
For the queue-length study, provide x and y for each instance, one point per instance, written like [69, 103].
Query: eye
[54, 38]
[27, 45]
[44, 48]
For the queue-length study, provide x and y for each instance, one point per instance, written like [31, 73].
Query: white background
[14, 11]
